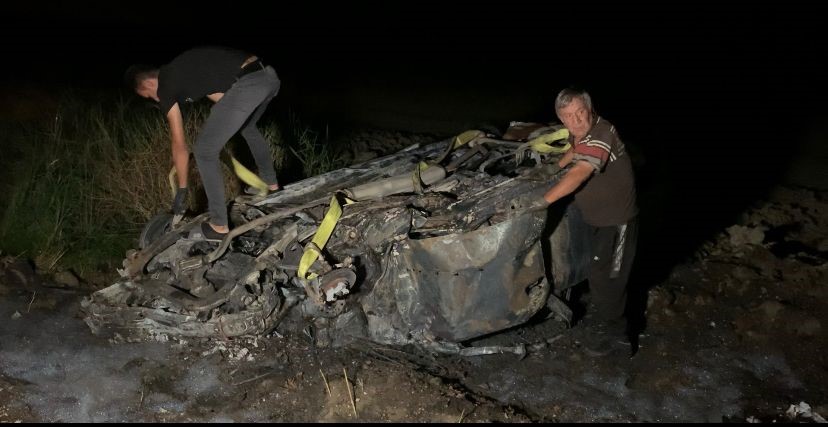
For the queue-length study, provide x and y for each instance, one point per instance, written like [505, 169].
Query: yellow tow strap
[459, 140]
[542, 144]
[418, 181]
[465, 137]
[323, 233]
[249, 177]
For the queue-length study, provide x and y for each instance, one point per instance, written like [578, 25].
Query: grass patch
[81, 185]
[317, 156]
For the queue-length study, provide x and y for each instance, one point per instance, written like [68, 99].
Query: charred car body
[432, 246]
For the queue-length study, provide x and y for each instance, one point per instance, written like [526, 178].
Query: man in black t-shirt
[601, 177]
[244, 85]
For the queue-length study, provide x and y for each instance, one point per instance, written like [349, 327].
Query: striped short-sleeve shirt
[608, 197]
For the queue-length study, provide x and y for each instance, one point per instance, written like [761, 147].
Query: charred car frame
[433, 246]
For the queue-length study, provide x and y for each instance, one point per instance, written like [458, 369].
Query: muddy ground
[736, 333]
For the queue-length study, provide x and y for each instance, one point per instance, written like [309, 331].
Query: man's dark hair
[136, 73]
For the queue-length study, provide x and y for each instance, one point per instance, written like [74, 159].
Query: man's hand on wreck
[539, 203]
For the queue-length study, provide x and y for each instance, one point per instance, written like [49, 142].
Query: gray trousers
[239, 109]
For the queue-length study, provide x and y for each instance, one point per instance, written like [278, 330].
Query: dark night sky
[654, 67]
[672, 46]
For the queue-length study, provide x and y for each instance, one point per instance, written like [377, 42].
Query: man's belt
[252, 67]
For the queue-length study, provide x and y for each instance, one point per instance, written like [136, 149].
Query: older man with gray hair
[601, 177]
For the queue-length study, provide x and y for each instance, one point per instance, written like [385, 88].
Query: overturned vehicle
[433, 246]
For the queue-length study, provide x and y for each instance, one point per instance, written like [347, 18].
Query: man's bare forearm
[180, 153]
[566, 159]
[181, 160]
[569, 182]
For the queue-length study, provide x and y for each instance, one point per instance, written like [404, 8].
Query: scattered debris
[803, 410]
[741, 235]
[325, 380]
[350, 395]
[29, 308]
[66, 279]
[232, 351]
[17, 273]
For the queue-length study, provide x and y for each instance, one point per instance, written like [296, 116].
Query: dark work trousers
[239, 109]
[610, 268]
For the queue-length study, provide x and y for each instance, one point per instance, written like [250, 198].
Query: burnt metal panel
[569, 248]
[462, 286]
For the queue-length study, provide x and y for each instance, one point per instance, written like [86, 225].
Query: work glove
[538, 204]
[553, 168]
[180, 202]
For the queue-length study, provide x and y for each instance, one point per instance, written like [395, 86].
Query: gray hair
[566, 96]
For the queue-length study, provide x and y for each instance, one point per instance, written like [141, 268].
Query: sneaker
[205, 232]
[253, 191]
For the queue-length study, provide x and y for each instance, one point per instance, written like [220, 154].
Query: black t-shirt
[198, 72]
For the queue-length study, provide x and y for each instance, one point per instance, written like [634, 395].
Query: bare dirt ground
[735, 334]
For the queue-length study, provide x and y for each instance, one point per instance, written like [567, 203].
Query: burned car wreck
[433, 246]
